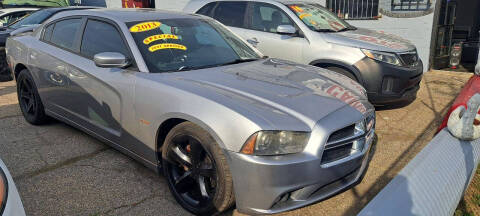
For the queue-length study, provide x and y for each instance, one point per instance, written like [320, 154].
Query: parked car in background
[386, 65]
[33, 19]
[10, 15]
[10, 202]
[36, 3]
[183, 95]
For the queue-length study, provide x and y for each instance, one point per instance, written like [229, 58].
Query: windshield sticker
[296, 8]
[145, 26]
[153, 38]
[166, 46]
[304, 15]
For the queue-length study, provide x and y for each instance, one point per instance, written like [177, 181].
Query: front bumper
[387, 84]
[273, 184]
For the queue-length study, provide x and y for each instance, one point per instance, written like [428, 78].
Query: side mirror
[286, 30]
[110, 60]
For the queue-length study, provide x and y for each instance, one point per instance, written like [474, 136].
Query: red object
[471, 87]
[454, 67]
[135, 3]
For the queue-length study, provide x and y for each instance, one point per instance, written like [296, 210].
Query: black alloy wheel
[196, 170]
[192, 171]
[29, 99]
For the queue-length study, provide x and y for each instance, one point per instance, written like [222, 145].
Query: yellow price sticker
[296, 8]
[145, 26]
[304, 15]
[153, 38]
[166, 46]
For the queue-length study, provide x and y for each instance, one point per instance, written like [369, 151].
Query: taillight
[3, 191]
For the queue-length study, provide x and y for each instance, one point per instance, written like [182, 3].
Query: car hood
[369, 39]
[275, 86]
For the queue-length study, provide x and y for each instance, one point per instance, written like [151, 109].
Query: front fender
[176, 115]
[341, 64]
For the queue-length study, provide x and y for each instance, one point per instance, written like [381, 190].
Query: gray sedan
[186, 97]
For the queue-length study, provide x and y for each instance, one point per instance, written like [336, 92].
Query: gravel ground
[62, 171]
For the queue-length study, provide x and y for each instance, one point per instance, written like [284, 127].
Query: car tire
[343, 72]
[205, 162]
[29, 99]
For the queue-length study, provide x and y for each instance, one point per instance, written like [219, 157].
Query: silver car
[186, 97]
[10, 202]
[305, 32]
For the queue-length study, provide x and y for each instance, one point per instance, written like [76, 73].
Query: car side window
[231, 13]
[47, 33]
[94, 32]
[64, 33]
[17, 16]
[267, 17]
[207, 9]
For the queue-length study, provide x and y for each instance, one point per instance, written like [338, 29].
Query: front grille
[348, 141]
[341, 134]
[337, 153]
[410, 59]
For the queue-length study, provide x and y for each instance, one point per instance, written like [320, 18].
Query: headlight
[389, 58]
[275, 143]
[3, 191]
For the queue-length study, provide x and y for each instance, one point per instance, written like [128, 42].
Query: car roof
[10, 10]
[130, 14]
[271, 1]
[60, 9]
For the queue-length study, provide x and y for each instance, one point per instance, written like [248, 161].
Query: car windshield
[319, 18]
[34, 18]
[186, 44]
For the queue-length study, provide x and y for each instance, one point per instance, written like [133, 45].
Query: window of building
[354, 9]
[411, 5]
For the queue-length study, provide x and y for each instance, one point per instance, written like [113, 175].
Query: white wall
[176, 5]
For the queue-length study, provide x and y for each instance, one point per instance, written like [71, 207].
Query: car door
[103, 97]
[50, 62]
[97, 99]
[264, 18]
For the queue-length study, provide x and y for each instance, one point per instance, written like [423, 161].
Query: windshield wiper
[187, 68]
[236, 61]
[325, 30]
[347, 29]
